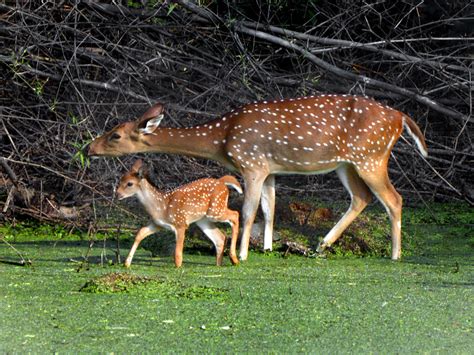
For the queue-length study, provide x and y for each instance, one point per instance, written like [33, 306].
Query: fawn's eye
[114, 136]
[129, 183]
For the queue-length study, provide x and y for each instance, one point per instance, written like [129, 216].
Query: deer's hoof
[234, 260]
[321, 248]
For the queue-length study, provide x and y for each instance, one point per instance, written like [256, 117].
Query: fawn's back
[201, 198]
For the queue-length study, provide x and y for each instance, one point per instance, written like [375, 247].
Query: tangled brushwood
[72, 69]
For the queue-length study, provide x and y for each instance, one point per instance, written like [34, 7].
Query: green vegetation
[131, 283]
[271, 303]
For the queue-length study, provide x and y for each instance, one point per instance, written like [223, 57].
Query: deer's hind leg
[215, 235]
[360, 197]
[383, 189]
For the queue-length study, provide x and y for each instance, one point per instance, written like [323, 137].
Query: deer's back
[311, 134]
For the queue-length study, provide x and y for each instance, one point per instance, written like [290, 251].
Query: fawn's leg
[178, 252]
[215, 235]
[142, 234]
[232, 217]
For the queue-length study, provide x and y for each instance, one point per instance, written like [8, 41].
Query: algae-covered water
[270, 303]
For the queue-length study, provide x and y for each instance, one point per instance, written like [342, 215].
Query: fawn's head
[128, 137]
[129, 184]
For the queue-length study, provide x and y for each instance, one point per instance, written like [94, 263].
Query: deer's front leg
[268, 208]
[253, 190]
[178, 252]
[142, 234]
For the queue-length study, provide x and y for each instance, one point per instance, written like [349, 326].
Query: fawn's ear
[150, 120]
[142, 172]
[137, 167]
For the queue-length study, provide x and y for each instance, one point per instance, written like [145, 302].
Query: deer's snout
[90, 149]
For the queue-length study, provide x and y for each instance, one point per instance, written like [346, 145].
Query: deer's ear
[137, 166]
[151, 119]
[154, 111]
[149, 125]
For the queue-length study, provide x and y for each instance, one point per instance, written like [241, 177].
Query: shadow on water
[73, 247]
[444, 260]
[110, 243]
[168, 260]
[456, 284]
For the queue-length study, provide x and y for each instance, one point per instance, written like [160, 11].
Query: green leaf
[171, 8]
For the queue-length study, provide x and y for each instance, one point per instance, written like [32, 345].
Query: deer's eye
[115, 136]
[129, 183]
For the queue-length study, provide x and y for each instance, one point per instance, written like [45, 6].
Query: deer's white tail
[232, 182]
[415, 132]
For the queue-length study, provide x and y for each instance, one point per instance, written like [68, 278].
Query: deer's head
[128, 137]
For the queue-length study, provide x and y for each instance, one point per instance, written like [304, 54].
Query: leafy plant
[80, 154]
[38, 86]
[134, 4]
[118, 282]
[171, 8]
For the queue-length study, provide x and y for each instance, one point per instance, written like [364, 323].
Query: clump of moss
[115, 282]
[119, 282]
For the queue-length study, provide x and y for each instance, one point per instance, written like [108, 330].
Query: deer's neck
[153, 200]
[205, 141]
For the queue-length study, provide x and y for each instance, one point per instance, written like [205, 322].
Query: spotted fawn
[202, 201]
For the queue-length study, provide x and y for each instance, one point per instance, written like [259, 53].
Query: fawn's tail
[232, 182]
[415, 132]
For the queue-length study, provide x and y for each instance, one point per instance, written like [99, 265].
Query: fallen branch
[11, 174]
[242, 28]
[68, 75]
[351, 76]
[342, 44]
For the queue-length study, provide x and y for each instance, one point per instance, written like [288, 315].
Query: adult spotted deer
[311, 135]
[202, 201]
